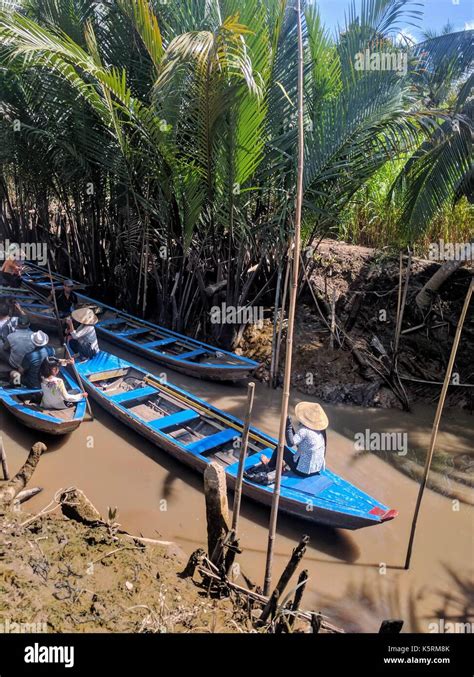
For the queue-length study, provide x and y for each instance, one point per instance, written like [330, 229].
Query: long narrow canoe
[40, 313]
[24, 404]
[151, 341]
[197, 433]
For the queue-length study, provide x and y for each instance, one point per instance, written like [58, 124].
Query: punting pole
[295, 248]
[3, 460]
[439, 411]
[66, 348]
[243, 455]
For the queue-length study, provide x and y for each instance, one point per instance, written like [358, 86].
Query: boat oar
[78, 379]
[202, 409]
[55, 304]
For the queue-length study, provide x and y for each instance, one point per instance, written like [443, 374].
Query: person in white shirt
[83, 338]
[55, 395]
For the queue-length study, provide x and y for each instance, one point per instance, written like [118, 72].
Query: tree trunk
[426, 295]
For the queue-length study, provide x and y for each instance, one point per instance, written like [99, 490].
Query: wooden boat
[24, 404]
[40, 313]
[153, 342]
[196, 433]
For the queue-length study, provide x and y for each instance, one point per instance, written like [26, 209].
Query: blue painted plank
[212, 441]
[161, 342]
[133, 394]
[133, 332]
[180, 418]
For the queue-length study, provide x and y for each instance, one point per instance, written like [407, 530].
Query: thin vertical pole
[295, 249]
[243, 454]
[439, 411]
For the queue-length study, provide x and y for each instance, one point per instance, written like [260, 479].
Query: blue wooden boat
[196, 433]
[40, 313]
[151, 341]
[24, 404]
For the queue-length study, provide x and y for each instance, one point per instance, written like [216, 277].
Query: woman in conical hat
[82, 336]
[309, 441]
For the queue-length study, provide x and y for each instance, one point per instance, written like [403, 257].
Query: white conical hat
[84, 316]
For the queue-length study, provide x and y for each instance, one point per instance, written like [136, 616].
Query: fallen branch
[9, 491]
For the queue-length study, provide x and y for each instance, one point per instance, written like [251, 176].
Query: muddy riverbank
[356, 577]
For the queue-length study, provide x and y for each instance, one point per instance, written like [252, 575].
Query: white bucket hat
[311, 415]
[40, 339]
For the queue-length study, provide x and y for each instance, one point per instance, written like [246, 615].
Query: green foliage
[150, 127]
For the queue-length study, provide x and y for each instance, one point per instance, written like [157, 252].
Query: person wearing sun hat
[31, 363]
[82, 335]
[309, 441]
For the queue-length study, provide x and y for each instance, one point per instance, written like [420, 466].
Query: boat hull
[290, 504]
[196, 358]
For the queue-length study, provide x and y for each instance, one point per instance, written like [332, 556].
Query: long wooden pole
[66, 349]
[3, 460]
[78, 379]
[296, 248]
[439, 411]
[243, 453]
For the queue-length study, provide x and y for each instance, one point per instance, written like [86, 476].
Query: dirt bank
[64, 576]
[364, 284]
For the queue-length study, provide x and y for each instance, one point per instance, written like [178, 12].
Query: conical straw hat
[311, 415]
[84, 316]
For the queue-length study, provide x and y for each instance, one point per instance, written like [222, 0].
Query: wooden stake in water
[295, 249]
[243, 455]
[3, 460]
[437, 418]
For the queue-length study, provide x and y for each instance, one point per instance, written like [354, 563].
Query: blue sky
[436, 13]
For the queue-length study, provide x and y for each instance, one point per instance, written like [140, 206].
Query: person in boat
[31, 364]
[11, 271]
[66, 299]
[81, 332]
[55, 395]
[309, 441]
[8, 322]
[18, 343]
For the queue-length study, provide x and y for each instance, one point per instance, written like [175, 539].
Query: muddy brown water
[356, 577]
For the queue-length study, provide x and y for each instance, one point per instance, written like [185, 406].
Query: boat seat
[156, 344]
[192, 353]
[212, 442]
[250, 461]
[133, 332]
[176, 420]
[130, 395]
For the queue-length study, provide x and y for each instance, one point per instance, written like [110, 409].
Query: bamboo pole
[401, 308]
[291, 312]
[243, 454]
[280, 325]
[3, 460]
[437, 418]
[275, 323]
[66, 349]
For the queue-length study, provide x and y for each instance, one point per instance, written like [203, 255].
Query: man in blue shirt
[32, 361]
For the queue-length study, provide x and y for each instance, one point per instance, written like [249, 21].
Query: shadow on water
[333, 542]
[26, 437]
